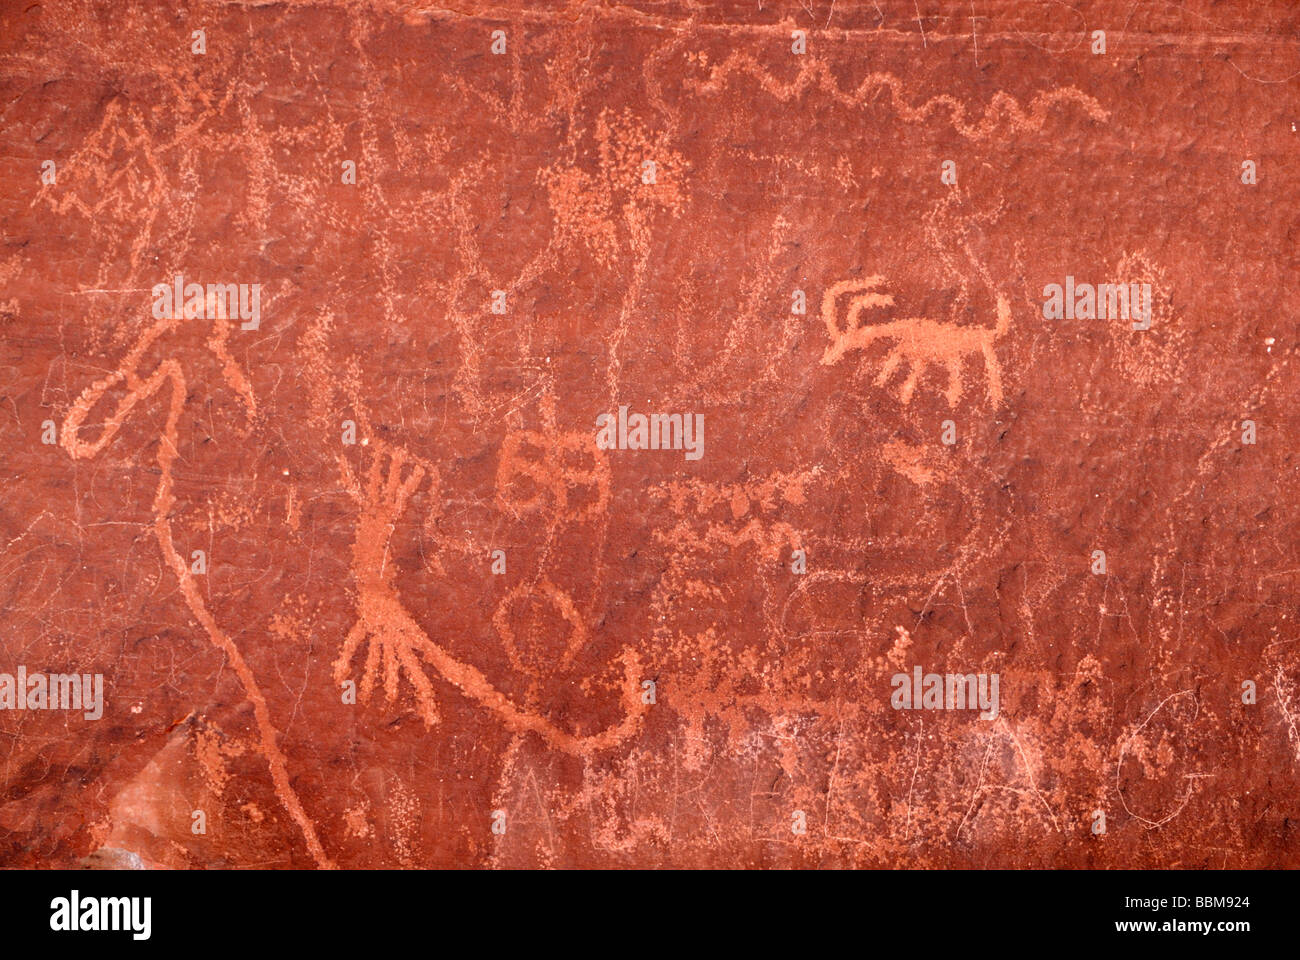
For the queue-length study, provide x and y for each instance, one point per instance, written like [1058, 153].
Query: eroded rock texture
[467, 246]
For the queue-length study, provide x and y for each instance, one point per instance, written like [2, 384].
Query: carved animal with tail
[919, 341]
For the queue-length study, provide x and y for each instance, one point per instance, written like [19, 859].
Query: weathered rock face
[362, 533]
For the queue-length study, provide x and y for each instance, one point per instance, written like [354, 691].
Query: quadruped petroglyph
[916, 342]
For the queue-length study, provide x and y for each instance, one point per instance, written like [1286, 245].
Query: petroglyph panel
[646, 437]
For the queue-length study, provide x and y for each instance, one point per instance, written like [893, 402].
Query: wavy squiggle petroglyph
[815, 74]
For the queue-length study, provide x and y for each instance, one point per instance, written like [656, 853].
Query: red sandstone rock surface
[647, 185]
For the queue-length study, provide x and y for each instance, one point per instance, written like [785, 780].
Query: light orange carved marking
[139, 390]
[918, 341]
[398, 642]
[1003, 110]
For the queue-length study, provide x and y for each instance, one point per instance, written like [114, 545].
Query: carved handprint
[398, 644]
[395, 638]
